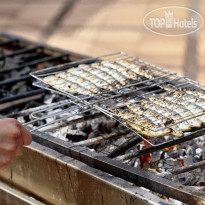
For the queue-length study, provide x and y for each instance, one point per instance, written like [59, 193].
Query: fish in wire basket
[192, 98]
[70, 85]
[96, 70]
[193, 107]
[188, 94]
[182, 110]
[125, 71]
[139, 68]
[80, 76]
[118, 76]
[166, 112]
[157, 118]
[98, 77]
[140, 123]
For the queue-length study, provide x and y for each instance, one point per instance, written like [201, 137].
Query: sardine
[107, 67]
[180, 109]
[140, 123]
[128, 73]
[184, 126]
[139, 68]
[158, 119]
[54, 80]
[86, 75]
[194, 108]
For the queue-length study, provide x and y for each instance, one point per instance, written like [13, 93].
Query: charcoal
[190, 151]
[188, 160]
[137, 163]
[196, 158]
[183, 178]
[173, 153]
[203, 173]
[161, 161]
[197, 188]
[156, 156]
[75, 135]
[181, 152]
[203, 155]
[131, 162]
[49, 98]
[195, 180]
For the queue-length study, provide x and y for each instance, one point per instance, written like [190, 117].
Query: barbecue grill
[58, 171]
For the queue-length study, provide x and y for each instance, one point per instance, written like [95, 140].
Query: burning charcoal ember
[173, 153]
[188, 160]
[75, 135]
[137, 163]
[199, 151]
[197, 188]
[190, 151]
[203, 154]
[131, 162]
[175, 202]
[183, 178]
[156, 156]
[170, 163]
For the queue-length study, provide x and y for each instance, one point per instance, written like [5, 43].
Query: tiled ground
[97, 27]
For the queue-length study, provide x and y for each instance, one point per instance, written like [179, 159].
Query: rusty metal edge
[64, 180]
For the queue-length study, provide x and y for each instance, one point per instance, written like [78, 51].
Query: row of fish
[177, 111]
[98, 77]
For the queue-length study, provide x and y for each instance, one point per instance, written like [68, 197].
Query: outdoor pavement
[97, 27]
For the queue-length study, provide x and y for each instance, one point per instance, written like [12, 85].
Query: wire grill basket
[151, 100]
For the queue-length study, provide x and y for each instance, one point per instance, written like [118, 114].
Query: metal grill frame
[83, 102]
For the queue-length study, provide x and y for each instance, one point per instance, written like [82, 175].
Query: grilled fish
[128, 73]
[85, 75]
[156, 118]
[180, 109]
[192, 91]
[189, 98]
[72, 88]
[115, 74]
[138, 68]
[184, 126]
[140, 123]
[95, 70]
[59, 80]
[194, 108]
[54, 80]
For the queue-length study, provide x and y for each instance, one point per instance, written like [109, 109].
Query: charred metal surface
[118, 169]
[18, 58]
[57, 172]
[125, 146]
[144, 179]
[9, 196]
[188, 137]
[58, 179]
[24, 95]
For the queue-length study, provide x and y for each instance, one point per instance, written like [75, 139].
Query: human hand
[13, 136]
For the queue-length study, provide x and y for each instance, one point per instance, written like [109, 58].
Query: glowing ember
[172, 147]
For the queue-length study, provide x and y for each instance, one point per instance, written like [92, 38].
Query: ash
[165, 161]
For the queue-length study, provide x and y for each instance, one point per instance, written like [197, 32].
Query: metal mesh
[155, 100]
